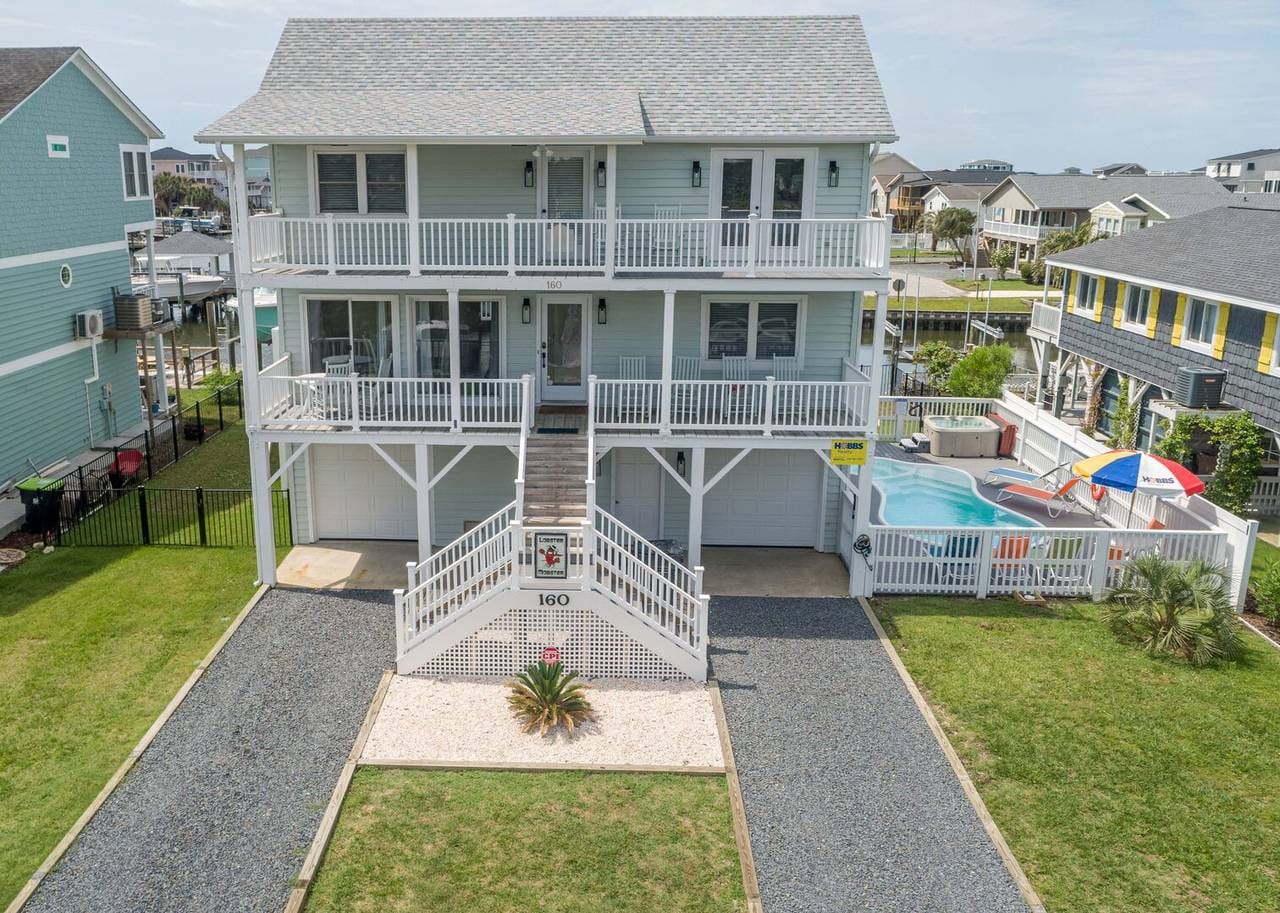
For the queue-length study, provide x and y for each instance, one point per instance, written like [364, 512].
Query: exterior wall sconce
[528, 174]
[602, 312]
[526, 312]
[696, 180]
[680, 463]
[833, 174]
[601, 175]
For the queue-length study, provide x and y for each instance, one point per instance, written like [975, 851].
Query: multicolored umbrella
[1138, 472]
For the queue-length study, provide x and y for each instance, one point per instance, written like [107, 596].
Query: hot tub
[962, 435]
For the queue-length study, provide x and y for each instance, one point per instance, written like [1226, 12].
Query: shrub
[1027, 270]
[1266, 592]
[1239, 442]
[981, 373]
[1002, 258]
[545, 696]
[1176, 610]
[938, 359]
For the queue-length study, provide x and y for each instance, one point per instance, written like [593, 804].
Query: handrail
[459, 547]
[526, 419]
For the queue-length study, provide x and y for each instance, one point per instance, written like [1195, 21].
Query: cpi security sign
[849, 452]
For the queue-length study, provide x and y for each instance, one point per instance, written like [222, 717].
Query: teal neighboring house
[74, 181]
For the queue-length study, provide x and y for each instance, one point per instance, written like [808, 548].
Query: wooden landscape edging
[740, 833]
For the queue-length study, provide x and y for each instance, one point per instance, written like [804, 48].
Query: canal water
[952, 332]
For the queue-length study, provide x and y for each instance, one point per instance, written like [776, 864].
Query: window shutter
[1122, 304]
[776, 328]
[130, 176]
[564, 189]
[727, 328]
[1099, 295]
[1070, 294]
[144, 179]
[1267, 352]
[1220, 331]
[384, 175]
[1178, 316]
[336, 180]
[1153, 313]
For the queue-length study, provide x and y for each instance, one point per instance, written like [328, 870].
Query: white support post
[861, 579]
[770, 385]
[264, 538]
[422, 474]
[588, 550]
[517, 553]
[1101, 555]
[150, 234]
[611, 205]
[411, 208]
[330, 244]
[244, 289]
[986, 545]
[697, 488]
[668, 357]
[160, 383]
[455, 359]
[877, 342]
[753, 243]
[511, 244]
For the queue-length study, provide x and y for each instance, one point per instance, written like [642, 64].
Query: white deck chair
[337, 366]
[740, 402]
[686, 396]
[666, 237]
[735, 367]
[788, 402]
[635, 404]
[631, 367]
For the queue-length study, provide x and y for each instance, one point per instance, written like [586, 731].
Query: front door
[775, 184]
[736, 185]
[562, 354]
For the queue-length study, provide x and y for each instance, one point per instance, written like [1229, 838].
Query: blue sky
[1041, 84]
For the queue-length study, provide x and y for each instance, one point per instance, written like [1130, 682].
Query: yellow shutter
[1220, 331]
[1118, 311]
[1099, 295]
[1267, 351]
[1178, 314]
[1069, 293]
[1153, 313]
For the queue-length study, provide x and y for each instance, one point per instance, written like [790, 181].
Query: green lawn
[957, 305]
[1263, 554]
[923, 253]
[93, 643]
[998, 285]
[494, 842]
[222, 461]
[1122, 783]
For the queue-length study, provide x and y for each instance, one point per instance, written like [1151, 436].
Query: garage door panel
[770, 498]
[358, 496]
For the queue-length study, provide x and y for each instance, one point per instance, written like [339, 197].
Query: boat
[196, 287]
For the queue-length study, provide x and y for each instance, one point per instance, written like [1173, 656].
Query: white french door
[777, 184]
[563, 348]
[735, 196]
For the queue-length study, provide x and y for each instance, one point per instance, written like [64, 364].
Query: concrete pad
[750, 571]
[340, 564]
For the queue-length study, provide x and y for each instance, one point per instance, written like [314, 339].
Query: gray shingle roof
[192, 242]
[1251, 154]
[172, 154]
[1177, 195]
[963, 191]
[23, 70]
[1225, 251]
[807, 76]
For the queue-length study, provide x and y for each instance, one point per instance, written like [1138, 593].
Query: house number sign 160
[554, 284]
[561, 599]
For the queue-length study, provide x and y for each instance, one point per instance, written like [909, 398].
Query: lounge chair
[1009, 566]
[1001, 475]
[954, 558]
[1055, 502]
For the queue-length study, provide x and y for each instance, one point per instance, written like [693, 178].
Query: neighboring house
[258, 177]
[74, 181]
[1119, 168]
[884, 167]
[986, 165]
[624, 229]
[1026, 208]
[1255, 171]
[1200, 292]
[955, 196]
[907, 192]
[200, 167]
[195, 251]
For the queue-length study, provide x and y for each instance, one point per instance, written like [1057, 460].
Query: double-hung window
[753, 328]
[1199, 324]
[135, 167]
[1137, 308]
[1086, 291]
[360, 182]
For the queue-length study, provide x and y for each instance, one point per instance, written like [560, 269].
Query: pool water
[921, 494]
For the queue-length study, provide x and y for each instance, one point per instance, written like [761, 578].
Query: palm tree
[1173, 609]
[1059, 241]
[954, 225]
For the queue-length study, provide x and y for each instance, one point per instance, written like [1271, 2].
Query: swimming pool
[922, 494]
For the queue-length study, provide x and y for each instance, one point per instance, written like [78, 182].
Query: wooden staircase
[555, 480]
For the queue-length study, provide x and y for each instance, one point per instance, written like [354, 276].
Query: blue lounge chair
[1000, 475]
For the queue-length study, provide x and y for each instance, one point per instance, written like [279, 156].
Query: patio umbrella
[1134, 471]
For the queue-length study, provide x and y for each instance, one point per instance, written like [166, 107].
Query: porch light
[697, 174]
[601, 175]
[833, 174]
[680, 462]
[526, 312]
[528, 174]
[602, 312]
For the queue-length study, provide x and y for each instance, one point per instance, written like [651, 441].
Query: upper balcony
[1016, 231]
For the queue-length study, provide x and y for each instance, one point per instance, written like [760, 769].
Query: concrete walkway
[219, 811]
[850, 802]
[755, 571]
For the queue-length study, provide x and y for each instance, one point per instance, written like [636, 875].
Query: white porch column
[861, 579]
[264, 537]
[161, 383]
[244, 287]
[611, 207]
[697, 488]
[422, 475]
[411, 208]
[668, 350]
[877, 342]
[455, 358]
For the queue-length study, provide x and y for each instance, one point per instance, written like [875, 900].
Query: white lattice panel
[588, 645]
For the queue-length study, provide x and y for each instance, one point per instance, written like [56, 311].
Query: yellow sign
[849, 452]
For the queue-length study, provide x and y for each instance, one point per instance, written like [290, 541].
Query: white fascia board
[394, 140]
[876, 283]
[1271, 307]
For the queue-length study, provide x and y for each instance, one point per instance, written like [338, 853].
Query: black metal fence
[212, 517]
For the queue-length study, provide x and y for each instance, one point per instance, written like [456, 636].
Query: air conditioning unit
[89, 324]
[134, 312]
[1199, 388]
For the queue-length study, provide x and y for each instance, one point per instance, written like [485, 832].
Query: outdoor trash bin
[41, 497]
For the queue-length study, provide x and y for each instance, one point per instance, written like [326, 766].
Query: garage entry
[358, 496]
[772, 497]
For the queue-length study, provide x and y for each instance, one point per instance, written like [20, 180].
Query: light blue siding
[478, 487]
[289, 180]
[660, 174]
[474, 182]
[54, 203]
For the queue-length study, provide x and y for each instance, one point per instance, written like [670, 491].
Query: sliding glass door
[350, 337]
[478, 338]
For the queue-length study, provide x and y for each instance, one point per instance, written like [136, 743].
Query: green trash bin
[41, 497]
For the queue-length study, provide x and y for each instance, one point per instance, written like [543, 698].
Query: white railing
[390, 402]
[1046, 319]
[497, 403]
[331, 243]
[655, 587]
[629, 404]
[527, 558]
[1265, 500]
[1018, 231]
[981, 562]
[277, 369]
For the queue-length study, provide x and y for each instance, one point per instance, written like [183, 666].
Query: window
[1137, 307]
[1086, 291]
[360, 182]
[358, 333]
[59, 147]
[757, 329]
[135, 167]
[478, 342]
[1199, 324]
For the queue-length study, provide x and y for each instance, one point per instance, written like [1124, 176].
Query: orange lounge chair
[1055, 502]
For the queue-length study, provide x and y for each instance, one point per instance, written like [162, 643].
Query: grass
[956, 305]
[998, 285]
[93, 643]
[222, 461]
[922, 253]
[1122, 783]
[1264, 553]
[493, 842]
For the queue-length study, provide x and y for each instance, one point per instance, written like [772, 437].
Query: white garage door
[358, 496]
[770, 498]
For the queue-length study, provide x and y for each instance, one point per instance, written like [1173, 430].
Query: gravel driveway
[219, 811]
[850, 802]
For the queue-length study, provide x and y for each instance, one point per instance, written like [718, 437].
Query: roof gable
[24, 70]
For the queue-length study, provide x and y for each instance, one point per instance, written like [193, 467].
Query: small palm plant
[1174, 609]
[545, 696]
